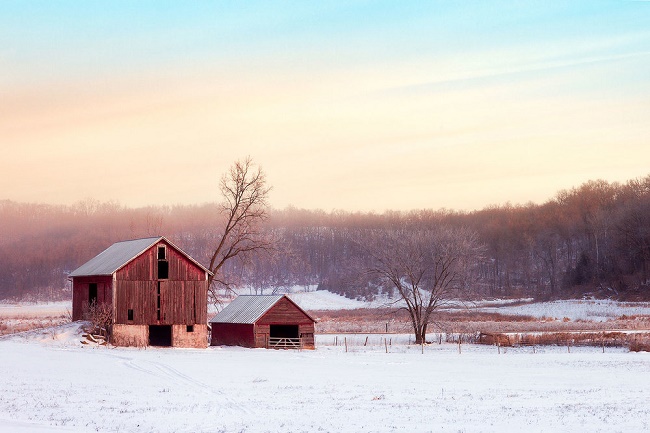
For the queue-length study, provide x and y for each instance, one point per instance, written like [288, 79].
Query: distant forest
[591, 239]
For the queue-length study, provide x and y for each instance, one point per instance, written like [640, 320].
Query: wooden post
[386, 344]
[336, 340]
[346, 344]
[364, 344]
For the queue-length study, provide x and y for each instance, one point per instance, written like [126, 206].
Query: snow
[50, 382]
[588, 310]
[31, 309]
[324, 300]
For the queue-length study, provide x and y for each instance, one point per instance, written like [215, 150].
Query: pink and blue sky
[354, 105]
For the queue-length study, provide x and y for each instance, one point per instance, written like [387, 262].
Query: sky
[349, 105]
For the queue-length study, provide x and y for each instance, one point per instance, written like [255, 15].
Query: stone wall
[130, 335]
[197, 338]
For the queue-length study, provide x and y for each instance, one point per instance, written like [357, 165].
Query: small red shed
[158, 294]
[271, 321]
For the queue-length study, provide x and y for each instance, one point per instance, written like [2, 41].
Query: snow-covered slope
[324, 300]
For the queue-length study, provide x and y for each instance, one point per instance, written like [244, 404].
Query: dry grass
[640, 345]
[13, 325]
[375, 321]
[493, 328]
[580, 338]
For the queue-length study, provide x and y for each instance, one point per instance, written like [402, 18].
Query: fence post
[346, 344]
[366, 342]
[385, 345]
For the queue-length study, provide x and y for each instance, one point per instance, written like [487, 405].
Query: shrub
[101, 318]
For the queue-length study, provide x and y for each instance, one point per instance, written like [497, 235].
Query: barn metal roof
[114, 257]
[249, 308]
[246, 309]
[120, 253]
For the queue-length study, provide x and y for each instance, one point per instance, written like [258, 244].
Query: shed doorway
[284, 337]
[284, 331]
[160, 335]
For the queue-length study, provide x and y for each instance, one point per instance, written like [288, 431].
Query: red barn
[271, 321]
[157, 293]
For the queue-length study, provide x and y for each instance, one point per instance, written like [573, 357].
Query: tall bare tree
[429, 268]
[244, 209]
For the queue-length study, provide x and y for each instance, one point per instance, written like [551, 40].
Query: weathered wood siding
[181, 302]
[80, 287]
[145, 266]
[183, 295]
[284, 312]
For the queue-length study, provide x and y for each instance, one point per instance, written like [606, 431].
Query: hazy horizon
[346, 105]
[90, 200]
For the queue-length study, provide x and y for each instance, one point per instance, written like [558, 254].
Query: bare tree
[429, 268]
[244, 209]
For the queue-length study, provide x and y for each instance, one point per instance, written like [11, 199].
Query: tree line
[594, 238]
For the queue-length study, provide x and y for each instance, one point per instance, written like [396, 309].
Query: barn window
[92, 293]
[190, 328]
[162, 252]
[163, 269]
[129, 314]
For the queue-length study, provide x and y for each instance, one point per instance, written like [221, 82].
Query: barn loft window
[163, 264]
[163, 269]
[129, 314]
[190, 328]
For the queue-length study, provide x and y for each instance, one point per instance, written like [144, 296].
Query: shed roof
[119, 254]
[249, 308]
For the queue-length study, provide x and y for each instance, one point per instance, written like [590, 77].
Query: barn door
[160, 335]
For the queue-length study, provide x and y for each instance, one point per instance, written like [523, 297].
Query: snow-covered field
[589, 310]
[34, 310]
[51, 383]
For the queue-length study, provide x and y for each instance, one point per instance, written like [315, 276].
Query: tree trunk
[420, 332]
